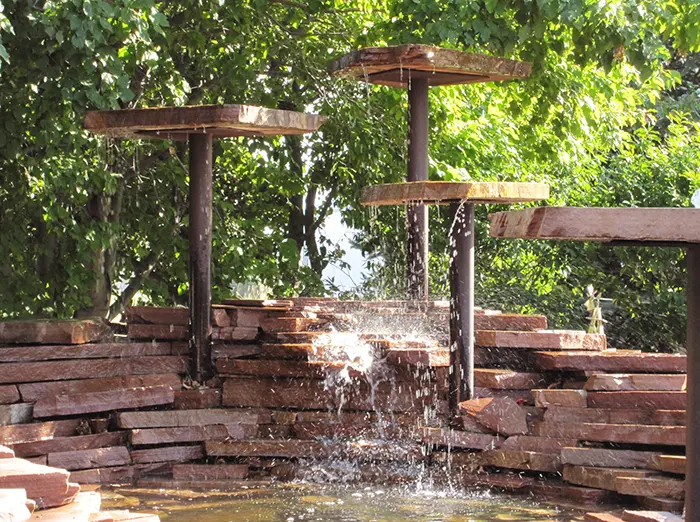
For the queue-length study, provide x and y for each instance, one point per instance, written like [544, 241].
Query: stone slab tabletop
[636, 225]
[445, 192]
[222, 121]
[396, 66]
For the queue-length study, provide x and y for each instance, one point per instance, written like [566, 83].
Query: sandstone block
[501, 415]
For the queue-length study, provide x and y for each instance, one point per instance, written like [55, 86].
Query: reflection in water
[305, 502]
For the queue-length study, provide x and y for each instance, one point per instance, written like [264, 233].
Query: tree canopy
[609, 117]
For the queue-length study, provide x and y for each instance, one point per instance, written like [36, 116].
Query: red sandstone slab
[163, 419]
[234, 351]
[650, 516]
[369, 429]
[636, 382]
[167, 315]
[34, 391]
[508, 379]
[53, 332]
[169, 454]
[235, 333]
[458, 439]
[611, 361]
[515, 322]
[669, 463]
[126, 516]
[608, 458]
[421, 357]
[601, 517]
[501, 415]
[645, 400]
[615, 416]
[287, 324]
[600, 477]
[38, 431]
[83, 351]
[651, 486]
[6, 453]
[541, 340]
[661, 504]
[197, 399]
[259, 303]
[523, 460]
[64, 370]
[90, 458]
[268, 448]
[234, 431]
[271, 368]
[157, 332]
[210, 472]
[563, 398]
[112, 475]
[39, 481]
[9, 394]
[287, 351]
[20, 413]
[103, 401]
[537, 444]
[621, 433]
[63, 444]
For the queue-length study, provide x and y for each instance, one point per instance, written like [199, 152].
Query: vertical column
[417, 215]
[692, 462]
[200, 254]
[462, 304]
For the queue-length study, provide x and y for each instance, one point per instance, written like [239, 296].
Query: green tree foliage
[88, 224]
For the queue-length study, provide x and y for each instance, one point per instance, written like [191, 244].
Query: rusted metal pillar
[200, 254]
[692, 439]
[417, 215]
[462, 304]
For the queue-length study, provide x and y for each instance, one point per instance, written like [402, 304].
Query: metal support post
[692, 462]
[201, 158]
[462, 304]
[417, 215]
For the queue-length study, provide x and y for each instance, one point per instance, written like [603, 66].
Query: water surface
[334, 503]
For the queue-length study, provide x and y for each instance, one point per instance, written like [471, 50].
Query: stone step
[615, 416]
[540, 340]
[562, 398]
[509, 379]
[608, 458]
[86, 351]
[234, 431]
[635, 382]
[47, 486]
[522, 460]
[53, 332]
[210, 472]
[90, 458]
[313, 394]
[272, 368]
[85, 507]
[76, 404]
[600, 477]
[234, 351]
[169, 454]
[65, 370]
[199, 398]
[619, 433]
[32, 392]
[502, 415]
[166, 419]
[164, 315]
[38, 431]
[63, 444]
[669, 463]
[617, 361]
[645, 400]
[457, 439]
[651, 486]
[537, 444]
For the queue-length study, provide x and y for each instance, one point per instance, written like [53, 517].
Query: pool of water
[333, 503]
